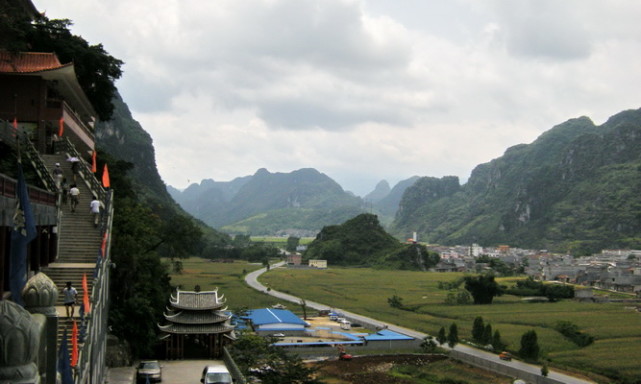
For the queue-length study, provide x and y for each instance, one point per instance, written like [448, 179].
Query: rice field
[615, 326]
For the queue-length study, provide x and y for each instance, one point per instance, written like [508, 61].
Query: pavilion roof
[197, 300]
[196, 328]
[196, 317]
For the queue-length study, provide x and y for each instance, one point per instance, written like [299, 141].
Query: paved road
[252, 281]
[173, 372]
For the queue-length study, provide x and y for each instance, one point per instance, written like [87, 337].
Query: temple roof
[47, 66]
[29, 62]
[197, 300]
[192, 317]
[196, 328]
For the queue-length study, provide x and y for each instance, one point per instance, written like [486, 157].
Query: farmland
[615, 326]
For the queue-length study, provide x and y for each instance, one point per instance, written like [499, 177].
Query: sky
[361, 90]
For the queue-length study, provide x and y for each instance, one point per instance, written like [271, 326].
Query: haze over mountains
[575, 189]
[296, 203]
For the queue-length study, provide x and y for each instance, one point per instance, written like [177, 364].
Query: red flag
[94, 167]
[15, 123]
[105, 177]
[74, 344]
[61, 126]
[85, 296]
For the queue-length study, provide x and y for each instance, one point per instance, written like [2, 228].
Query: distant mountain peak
[381, 190]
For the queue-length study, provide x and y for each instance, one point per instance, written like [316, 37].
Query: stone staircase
[78, 246]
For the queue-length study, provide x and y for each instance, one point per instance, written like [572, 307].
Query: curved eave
[64, 79]
[195, 330]
[209, 307]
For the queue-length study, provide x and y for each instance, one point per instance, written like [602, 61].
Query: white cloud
[359, 89]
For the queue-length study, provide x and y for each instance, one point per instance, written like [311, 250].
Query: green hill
[362, 241]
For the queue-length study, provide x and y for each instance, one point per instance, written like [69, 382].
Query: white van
[216, 374]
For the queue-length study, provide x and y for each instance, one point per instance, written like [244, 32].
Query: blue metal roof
[274, 316]
[386, 334]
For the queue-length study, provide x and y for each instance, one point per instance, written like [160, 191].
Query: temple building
[45, 99]
[197, 325]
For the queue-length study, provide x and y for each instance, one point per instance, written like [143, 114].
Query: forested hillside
[575, 188]
[362, 241]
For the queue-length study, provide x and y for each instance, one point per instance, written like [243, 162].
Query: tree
[428, 345]
[95, 68]
[497, 343]
[303, 305]
[441, 337]
[458, 297]
[452, 337]
[483, 288]
[529, 346]
[487, 334]
[395, 302]
[292, 243]
[477, 329]
[272, 365]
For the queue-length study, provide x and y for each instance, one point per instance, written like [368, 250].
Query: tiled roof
[28, 62]
[196, 329]
[197, 300]
[199, 317]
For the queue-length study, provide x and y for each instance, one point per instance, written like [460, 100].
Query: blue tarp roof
[274, 316]
[386, 334]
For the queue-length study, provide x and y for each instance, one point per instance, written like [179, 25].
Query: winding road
[252, 280]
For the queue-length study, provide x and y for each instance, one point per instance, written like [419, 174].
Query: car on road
[149, 369]
[505, 356]
[216, 374]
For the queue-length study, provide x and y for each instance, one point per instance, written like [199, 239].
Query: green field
[279, 241]
[616, 327]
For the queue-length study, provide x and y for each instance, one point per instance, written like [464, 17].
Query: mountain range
[574, 189]
[298, 203]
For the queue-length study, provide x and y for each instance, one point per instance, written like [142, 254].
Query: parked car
[216, 374]
[505, 356]
[149, 369]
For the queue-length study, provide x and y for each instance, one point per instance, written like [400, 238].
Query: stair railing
[91, 366]
[32, 154]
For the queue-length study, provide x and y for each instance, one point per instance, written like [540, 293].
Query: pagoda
[196, 320]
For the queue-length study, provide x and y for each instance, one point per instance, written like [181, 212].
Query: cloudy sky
[362, 90]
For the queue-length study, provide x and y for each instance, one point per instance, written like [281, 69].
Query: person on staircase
[94, 206]
[70, 295]
[57, 175]
[74, 195]
[65, 191]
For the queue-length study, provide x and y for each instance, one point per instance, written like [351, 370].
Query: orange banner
[61, 126]
[105, 177]
[74, 344]
[85, 297]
